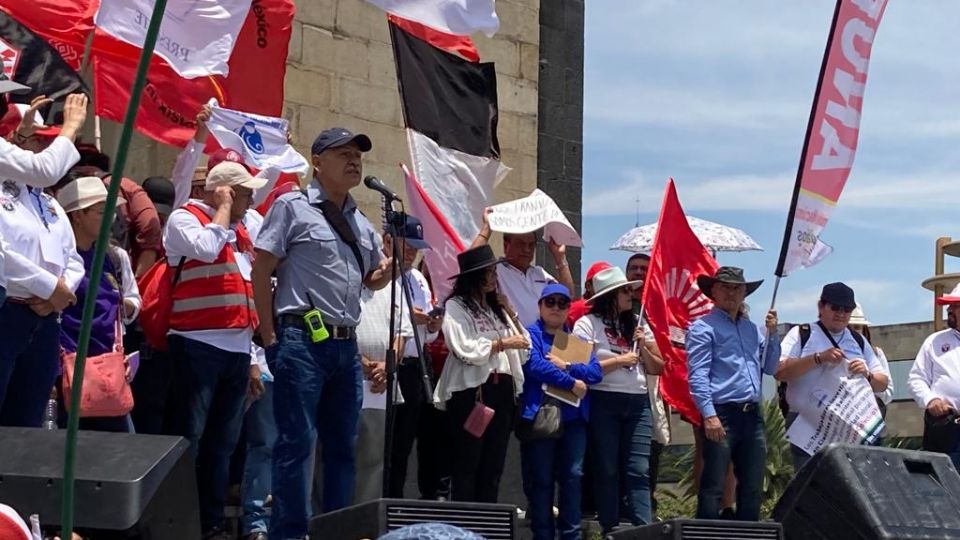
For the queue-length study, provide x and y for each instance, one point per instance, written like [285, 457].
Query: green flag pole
[69, 457]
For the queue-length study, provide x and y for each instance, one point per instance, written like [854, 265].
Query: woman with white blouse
[620, 425]
[487, 349]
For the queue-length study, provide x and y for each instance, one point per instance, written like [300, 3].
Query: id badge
[314, 322]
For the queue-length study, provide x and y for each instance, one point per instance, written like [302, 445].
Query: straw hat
[610, 280]
[83, 192]
[857, 317]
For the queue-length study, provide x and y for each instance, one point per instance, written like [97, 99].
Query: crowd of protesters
[276, 330]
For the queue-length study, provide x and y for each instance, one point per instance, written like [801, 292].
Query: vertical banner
[832, 134]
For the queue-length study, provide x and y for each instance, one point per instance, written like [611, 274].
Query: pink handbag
[479, 418]
[106, 391]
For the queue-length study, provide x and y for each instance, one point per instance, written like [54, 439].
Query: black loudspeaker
[701, 529]
[372, 519]
[127, 486]
[863, 492]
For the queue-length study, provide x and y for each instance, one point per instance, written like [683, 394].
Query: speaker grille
[701, 531]
[491, 524]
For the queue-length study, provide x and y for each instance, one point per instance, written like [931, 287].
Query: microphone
[377, 185]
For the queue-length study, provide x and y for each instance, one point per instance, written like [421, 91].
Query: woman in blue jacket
[559, 461]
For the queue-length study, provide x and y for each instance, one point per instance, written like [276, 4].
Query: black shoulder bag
[340, 226]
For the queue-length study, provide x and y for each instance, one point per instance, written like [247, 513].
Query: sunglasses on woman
[556, 302]
[841, 309]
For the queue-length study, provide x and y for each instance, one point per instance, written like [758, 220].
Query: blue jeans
[29, 364]
[317, 392]
[745, 445]
[554, 461]
[214, 383]
[261, 434]
[620, 430]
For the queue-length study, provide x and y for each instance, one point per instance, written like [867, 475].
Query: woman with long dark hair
[620, 423]
[482, 374]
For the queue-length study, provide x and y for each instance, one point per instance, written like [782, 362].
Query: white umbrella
[713, 236]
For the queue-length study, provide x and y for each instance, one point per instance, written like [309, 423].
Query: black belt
[409, 360]
[748, 406]
[336, 332]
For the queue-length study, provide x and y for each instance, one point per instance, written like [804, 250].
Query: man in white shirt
[518, 278]
[41, 267]
[825, 349]
[212, 323]
[935, 382]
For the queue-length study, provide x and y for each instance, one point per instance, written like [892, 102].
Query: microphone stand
[398, 221]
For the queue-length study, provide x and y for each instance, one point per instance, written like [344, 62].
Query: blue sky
[717, 95]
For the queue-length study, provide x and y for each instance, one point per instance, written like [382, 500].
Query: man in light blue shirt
[725, 370]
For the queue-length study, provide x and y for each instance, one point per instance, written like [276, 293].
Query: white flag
[196, 36]
[262, 140]
[459, 17]
[460, 184]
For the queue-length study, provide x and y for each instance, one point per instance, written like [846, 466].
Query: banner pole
[97, 132]
[788, 228]
[766, 332]
[73, 423]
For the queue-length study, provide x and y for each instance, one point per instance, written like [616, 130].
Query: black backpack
[804, 338]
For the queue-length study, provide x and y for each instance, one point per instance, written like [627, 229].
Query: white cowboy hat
[609, 280]
[83, 192]
[857, 316]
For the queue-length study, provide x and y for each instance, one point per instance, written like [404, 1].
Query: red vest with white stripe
[214, 296]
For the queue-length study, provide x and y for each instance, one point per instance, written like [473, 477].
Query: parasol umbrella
[713, 236]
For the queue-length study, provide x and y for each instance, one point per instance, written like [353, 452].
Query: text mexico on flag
[833, 132]
[196, 36]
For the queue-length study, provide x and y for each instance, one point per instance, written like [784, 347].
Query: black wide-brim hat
[475, 259]
[726, 274]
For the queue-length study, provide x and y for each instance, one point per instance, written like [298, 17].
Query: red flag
[453, 43]
[170, 102]
[444, 241]
[672, 300]
[65, 24]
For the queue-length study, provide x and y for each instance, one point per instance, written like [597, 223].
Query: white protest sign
[841, 410]
[531, 213]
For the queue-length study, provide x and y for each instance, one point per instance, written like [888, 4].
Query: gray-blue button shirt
[317, 268]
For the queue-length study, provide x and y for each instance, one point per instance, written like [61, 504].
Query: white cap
[83, 192]
[232, 174]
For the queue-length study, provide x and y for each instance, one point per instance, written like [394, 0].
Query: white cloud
[771, 193]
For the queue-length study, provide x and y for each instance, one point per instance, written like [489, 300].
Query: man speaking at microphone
[323, 250]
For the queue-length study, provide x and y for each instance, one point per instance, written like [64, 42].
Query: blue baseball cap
[555, 288]
[337, 137]
[412, 233]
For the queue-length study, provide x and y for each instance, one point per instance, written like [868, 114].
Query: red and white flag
[196, 36]
[64, 24]
[459, 17]
[171, 102]
[832, 134]
[444, 241]
[672, 300]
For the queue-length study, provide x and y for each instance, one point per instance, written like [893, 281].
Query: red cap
[14, 115]
[226, 154]
[596, 268]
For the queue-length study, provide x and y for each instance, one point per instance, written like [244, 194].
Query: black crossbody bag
[339, 224]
